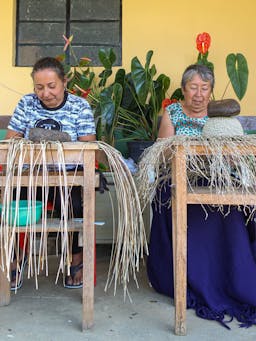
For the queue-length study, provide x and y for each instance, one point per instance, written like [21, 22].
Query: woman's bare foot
[76, 271]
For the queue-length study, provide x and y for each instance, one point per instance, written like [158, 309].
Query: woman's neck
[194, 112]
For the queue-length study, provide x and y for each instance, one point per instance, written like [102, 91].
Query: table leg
[5, 288]
[179, 220]
[88, 238]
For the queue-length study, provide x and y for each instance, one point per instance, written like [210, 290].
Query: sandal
[20, 273]
[73, 271]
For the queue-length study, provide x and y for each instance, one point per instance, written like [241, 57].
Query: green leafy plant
[125, 108]
[143, 92]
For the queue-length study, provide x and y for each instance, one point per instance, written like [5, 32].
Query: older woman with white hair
[221, 272]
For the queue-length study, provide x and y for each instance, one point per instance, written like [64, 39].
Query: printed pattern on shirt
[75, 117]
[183, 124]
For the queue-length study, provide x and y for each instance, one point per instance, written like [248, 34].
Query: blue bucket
[25, 215]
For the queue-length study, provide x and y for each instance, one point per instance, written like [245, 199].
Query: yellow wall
[167, 27]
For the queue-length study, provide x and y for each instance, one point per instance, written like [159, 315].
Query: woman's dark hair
[49, 63]
[197, 69]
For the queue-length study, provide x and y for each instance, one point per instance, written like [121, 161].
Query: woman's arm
[166, 127]
[87, 138]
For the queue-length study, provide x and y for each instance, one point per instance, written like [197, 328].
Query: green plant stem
[76, 59]
[225, 89]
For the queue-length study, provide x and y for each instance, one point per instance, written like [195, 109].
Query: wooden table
[82, 153]
[180, 198]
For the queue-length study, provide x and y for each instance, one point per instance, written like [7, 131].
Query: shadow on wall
[248, 123]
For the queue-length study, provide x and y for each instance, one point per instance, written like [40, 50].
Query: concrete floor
[53, 313]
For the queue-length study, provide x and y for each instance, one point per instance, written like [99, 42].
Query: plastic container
[25, 215]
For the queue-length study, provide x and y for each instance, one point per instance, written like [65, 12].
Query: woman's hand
[12, 134]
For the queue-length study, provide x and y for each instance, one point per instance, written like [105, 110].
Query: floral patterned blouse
[183, 124]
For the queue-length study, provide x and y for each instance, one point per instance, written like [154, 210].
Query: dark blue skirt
[221, 272]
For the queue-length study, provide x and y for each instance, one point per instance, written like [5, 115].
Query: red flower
[84, 93]
[203, 42]
[168, 101]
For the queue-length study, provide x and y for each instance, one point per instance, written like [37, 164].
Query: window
[40, 26]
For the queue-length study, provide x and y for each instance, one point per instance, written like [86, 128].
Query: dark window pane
[28, 55]
[106, 33]
[42, 10]
[95, 10]
[50, 33]
[42, 23]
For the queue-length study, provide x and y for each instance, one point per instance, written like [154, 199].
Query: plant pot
[137, 147]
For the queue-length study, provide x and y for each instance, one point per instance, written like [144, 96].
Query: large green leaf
[82, 80]
[177, 94]
[107, 106]
[141, 77]
[148, 59]
[237, 70]
[117, 95]
[161, 85]
[104, 75]
[120, 77]
[107, 57]
[110, 99]
[129, 99]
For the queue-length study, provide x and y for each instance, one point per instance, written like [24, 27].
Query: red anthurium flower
[68, 41]
[203, 42]
[84, 93]
[168, 101]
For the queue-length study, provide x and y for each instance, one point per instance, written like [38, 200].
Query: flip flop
[20, 274]
[73, 270]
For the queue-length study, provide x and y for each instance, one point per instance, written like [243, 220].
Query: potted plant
[129, 107]
[143, 93]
